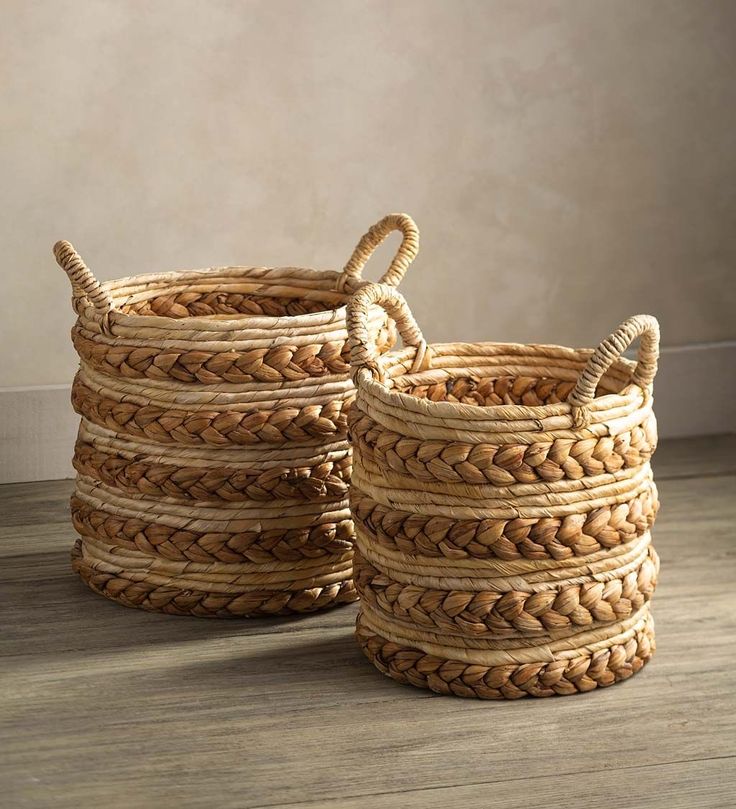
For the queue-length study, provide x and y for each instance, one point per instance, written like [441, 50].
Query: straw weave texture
[503, 501]
[212, 457]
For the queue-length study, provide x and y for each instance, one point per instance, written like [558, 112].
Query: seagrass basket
[212, 455]
[503, 499]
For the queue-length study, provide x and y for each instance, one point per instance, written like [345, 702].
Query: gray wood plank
[105, 705]
[26, 504]
[678, 785]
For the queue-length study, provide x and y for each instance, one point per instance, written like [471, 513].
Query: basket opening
[485, 388]
[498, 374]
[223, 303]
[487, 391]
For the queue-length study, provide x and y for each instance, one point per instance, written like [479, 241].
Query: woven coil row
[212, 458]
[503, 500]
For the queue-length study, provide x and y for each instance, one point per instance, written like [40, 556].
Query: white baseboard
[695, 392]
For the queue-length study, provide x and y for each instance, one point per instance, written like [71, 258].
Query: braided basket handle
[351, 275]
[84, 284]
[363, 352]
[610, 349]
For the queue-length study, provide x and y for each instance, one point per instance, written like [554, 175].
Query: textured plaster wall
[569, 163]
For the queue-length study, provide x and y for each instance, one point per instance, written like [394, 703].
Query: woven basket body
[503, 500]
[212, 456]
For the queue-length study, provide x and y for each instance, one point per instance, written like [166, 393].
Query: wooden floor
[106, 706]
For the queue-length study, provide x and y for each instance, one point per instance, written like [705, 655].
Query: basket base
[174, 601]
[586, 672]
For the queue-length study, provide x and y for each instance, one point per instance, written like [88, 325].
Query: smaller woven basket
[503, 500]
[212, 458]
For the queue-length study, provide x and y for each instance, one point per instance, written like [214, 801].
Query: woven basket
[502, 498]
[212, 455]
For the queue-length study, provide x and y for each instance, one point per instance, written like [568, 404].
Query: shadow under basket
[503, 499]
[212, 458]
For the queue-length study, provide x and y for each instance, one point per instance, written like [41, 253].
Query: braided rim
[180, 544]
[174, 601]
[188, 304]
[484, 391]
[556, 538]
[581, 411]
[500, 465]
[213, 427]
[512, 613]
[285, 297]
[324, 481]
[213, 367]
[582, 673]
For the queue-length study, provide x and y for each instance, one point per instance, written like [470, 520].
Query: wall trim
[694, 392]
[695, 389]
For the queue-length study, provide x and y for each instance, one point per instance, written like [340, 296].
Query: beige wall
[569, 163]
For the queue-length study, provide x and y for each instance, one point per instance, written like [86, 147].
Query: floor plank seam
[492, 783]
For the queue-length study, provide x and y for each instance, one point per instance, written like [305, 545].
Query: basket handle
[363, 351]
[350, 277]
[610, 349]
[84, 284]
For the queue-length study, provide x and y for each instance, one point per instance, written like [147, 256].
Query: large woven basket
[503, 499]
[212, 456]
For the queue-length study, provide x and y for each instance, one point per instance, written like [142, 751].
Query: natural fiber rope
[209, 367]
[551, 537]
[502, 509]
[187, 544]
[483, 651]
[234, 516]
[585, 672]
[136, 590]
[501, 465]
[216, 427]
[327, 480]
[485, 575]
[526, 500]
[363, 353]
[217, 576]
[212, 459]
[607, 352]
[83, 281]
[512, 613]
[407, 252]
[283, 456]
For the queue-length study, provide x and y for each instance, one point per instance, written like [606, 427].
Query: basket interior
[225, 304]
[485, 391]
[228, 293]
[532, 376]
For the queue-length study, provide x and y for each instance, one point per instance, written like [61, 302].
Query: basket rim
[368, 387]
[125, 288]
